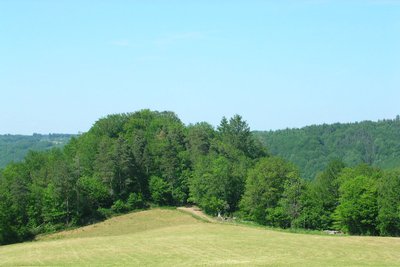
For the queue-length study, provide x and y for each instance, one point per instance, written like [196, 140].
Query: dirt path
[197, 212]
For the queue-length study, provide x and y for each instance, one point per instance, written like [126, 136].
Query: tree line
[127, 161]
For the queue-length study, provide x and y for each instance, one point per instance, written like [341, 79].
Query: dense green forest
[311, 148]
[128, 161]
[15, 147]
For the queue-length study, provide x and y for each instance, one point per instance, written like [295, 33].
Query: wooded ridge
[312, 147]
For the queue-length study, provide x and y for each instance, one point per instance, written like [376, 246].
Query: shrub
[119, 206]
[135, 201]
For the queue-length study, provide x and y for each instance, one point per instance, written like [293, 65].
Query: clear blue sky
[65, 64]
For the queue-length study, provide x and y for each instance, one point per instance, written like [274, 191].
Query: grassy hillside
[174, 238]
[312, 147]
[15, 147]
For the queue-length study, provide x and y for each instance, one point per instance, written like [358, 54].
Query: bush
[105, 213]
[135, 201]
[119, 206]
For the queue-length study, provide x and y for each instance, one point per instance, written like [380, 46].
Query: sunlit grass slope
[172, 238]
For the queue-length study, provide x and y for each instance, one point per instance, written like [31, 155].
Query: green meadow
[163, 237]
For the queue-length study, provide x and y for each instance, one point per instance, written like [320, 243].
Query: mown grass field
[174, 238]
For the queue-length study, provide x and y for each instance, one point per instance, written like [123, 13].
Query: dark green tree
[236, 133]
[198, 139]
[321, 198]
[15, 197]
[160, 190]
[265, 185]
[358, 205]
[218, 179]
[389, 204]
[290, 205]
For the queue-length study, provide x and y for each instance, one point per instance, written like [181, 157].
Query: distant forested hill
[312, 147]
[15, 147]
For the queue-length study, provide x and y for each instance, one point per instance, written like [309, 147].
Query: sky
[279, 64]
